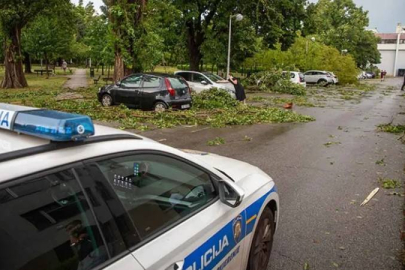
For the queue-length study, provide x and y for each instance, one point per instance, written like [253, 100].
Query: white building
[392, 49]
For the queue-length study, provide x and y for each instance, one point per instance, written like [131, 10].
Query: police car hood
[233, 168]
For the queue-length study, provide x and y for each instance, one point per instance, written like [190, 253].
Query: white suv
[318, 77]
[200, 81]
[78, 196]
[296, 77]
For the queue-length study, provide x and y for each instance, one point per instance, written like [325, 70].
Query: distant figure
[239, 90]
[403, 85]
[383, 72]
[64, 65]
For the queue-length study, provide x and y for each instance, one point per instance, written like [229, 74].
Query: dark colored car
[152, 91]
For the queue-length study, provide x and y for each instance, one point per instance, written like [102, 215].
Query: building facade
[392, 49]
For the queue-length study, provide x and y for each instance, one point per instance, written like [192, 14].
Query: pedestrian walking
[382, 75]
[403, 85]
[64, 65]
[239, 90]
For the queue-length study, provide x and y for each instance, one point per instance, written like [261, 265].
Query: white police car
[77, 197]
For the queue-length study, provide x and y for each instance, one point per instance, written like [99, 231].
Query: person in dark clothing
[239, 90]
[403, 85]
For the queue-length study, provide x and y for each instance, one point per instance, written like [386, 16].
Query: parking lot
[324, 170]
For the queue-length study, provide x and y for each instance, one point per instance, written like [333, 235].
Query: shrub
[276, 82]
[288, 87]
[213, 99]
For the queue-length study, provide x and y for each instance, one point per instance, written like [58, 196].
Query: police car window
[47, 223]
[157, 190]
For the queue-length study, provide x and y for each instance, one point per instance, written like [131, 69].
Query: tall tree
[14, 16]
[272, 20]
[48, 37]
[198, 18]
[126, 18]
[341, 24]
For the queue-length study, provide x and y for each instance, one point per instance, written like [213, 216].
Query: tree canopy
[341, 24]
[138, 35]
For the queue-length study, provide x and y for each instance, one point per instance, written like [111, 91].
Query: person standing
[64, 65]
[239, 90]
[403, 85]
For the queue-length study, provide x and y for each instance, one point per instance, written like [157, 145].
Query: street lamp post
[306, 51]
[238, 17]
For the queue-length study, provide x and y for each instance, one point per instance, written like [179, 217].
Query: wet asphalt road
[321, 188]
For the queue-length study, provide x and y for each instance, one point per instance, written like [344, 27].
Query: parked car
[334, 77]
[74, 195]
[200, 81]
[362, 75]
[370, 75]
[318, 77]
[296, 77]
[151, 91]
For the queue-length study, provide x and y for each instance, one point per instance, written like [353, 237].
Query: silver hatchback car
[200, 81]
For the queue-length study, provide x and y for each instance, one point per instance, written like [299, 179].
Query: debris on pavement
[389, 183]
[370, 196]
[328, 144]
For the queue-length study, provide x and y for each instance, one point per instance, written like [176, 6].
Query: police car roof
[11, 141]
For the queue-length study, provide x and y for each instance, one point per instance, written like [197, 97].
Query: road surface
[322, 224]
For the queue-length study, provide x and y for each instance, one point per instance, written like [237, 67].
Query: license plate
[185, 106]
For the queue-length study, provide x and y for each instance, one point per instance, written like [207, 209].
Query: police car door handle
[176, 266]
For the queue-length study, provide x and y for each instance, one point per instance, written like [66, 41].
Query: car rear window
[151, 82]
[177, 83]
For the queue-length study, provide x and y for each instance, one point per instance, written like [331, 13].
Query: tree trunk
[194, 47]
[195, 57]
[27, 62]
[14, 74]
[47, 66]
[118, 66]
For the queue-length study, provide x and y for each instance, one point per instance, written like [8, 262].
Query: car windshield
[213, 77]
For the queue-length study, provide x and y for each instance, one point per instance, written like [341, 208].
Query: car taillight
[169, 87]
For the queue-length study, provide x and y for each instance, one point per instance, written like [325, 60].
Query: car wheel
[160, 106]
[262, 243]
[322, 82]
[106, 100]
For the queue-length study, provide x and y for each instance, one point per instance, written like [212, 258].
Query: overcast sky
[383, 14]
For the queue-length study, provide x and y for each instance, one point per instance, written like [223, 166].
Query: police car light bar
[46, 124]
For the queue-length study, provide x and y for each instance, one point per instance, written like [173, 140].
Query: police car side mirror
[230, 194]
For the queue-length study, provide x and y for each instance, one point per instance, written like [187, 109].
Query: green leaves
[396, 129]
[341, 24]
[387, 183]
[304, 55]
[217, 141]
